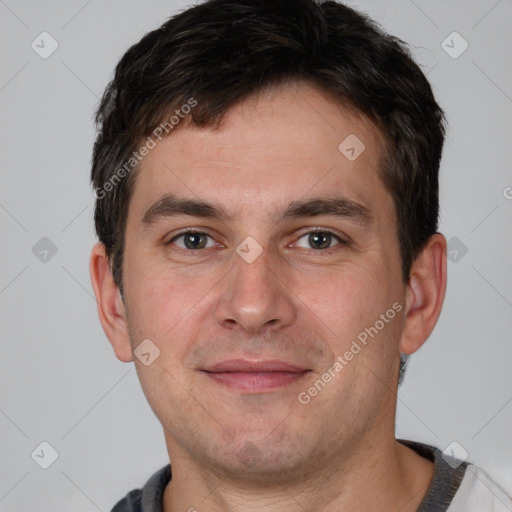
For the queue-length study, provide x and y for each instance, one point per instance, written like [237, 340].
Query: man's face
[228, 319]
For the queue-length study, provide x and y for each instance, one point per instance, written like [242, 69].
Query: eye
[319, 240]
[192, 240]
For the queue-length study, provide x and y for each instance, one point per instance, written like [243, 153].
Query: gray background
[59, 379]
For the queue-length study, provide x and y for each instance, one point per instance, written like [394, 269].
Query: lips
[242, 365]
[257, 376]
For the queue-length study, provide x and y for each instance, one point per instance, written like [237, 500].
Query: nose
[254, 296]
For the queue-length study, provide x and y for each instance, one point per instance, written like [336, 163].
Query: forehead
[274, 147]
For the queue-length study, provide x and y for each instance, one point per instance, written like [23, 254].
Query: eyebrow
[334, 206]
[170, 206]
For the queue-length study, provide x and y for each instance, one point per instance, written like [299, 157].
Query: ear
[424, 295]
[111, 309]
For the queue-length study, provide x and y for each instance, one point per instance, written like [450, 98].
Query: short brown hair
[221, 51]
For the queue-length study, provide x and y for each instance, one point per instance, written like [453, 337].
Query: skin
[240, 449]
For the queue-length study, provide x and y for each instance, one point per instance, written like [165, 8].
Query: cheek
[350, 304]
[346, 300]
[164, 305]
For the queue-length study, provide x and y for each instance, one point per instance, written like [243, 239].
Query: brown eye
[320, 240]
[192, 240]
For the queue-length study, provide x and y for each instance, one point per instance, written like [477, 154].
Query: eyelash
[340, 240]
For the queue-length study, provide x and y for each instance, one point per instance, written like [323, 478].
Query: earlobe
[425, 294]
[111, 309]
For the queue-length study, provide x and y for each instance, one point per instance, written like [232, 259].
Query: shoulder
[130, 503]
[459, 486]
[149, 498]
[479, 492]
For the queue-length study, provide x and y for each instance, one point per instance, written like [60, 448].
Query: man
[266, 176]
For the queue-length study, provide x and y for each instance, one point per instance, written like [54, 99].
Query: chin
[263, 458]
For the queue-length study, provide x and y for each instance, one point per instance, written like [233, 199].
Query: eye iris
[320, 240]
[195, 240]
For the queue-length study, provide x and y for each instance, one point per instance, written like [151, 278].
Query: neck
[383, 475]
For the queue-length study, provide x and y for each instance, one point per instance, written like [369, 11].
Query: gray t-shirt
[448, 475]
